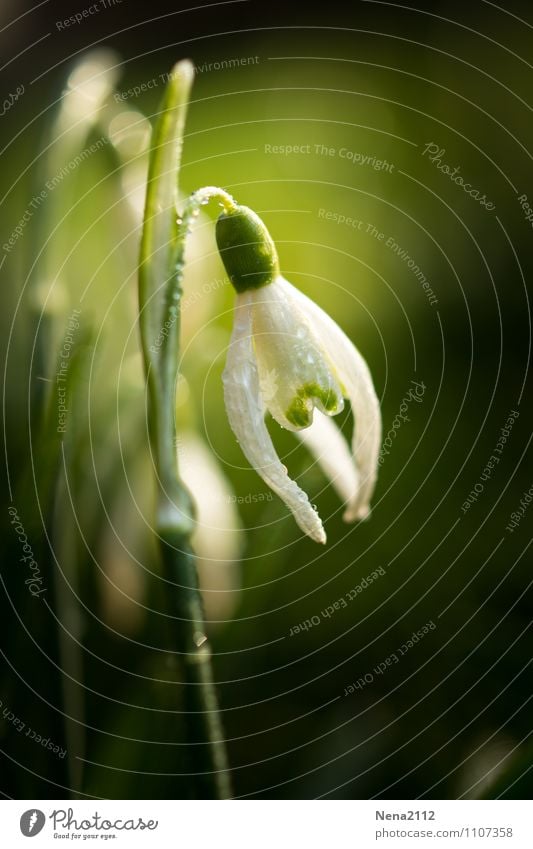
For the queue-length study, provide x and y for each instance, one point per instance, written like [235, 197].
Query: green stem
[207, 751]
[160, 279]
[174, 526]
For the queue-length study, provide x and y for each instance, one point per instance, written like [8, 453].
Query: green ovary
[300, 411]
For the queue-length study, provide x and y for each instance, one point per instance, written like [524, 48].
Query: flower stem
[160, 278]
[205, 738]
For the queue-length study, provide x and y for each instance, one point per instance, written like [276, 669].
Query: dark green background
[453, 716]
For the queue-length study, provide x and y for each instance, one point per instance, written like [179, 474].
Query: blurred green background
[85, 662]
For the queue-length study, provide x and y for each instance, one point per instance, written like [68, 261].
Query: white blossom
[278, 330]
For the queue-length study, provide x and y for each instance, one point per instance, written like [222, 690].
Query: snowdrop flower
[289, 357]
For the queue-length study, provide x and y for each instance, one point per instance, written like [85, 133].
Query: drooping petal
[328, 446]
[355, 377]
[294, 373]
[246, 417]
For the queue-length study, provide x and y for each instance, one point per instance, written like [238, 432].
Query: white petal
[353, 373]
[91, 81]
[217, 536]
[294, 373]
[328, 446]
[246, 417]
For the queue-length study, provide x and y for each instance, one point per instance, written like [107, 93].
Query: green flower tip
[247, 250]
[300, 411]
